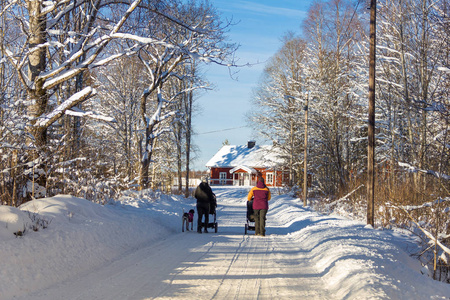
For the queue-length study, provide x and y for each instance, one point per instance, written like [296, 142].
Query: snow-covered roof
[232, 156]
[245, 168]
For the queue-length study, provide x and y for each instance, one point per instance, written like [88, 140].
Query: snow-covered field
[136, 250]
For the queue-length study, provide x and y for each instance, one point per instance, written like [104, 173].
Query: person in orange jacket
[261, 196]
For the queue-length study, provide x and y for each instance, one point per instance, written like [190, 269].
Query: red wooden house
[239, 166]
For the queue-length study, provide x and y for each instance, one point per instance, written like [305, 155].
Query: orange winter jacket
[261, 195]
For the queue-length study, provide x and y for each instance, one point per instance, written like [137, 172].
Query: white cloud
[262, 9]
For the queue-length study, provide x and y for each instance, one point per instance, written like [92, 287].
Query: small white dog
[188, 217]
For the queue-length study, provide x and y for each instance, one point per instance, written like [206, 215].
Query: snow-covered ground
[136, 250]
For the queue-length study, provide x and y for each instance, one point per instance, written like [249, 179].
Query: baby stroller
[250, 217]
[212, 211]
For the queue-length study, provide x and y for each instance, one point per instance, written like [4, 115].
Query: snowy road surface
[208, 266]
[304, 256]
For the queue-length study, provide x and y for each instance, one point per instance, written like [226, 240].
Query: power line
[221, 130]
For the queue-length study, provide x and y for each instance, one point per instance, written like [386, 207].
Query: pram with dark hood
[250, 217]
[212, 211]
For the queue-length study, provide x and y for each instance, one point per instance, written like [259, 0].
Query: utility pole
[290, 102]
[371, 125]
[305, 164]
[291, 141]
[305, 161]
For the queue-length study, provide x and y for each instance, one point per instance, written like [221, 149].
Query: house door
[246, 179]
[241, 179]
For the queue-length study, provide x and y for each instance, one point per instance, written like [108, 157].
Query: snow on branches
[413, 169]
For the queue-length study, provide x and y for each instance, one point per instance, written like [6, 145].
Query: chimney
[251, 144]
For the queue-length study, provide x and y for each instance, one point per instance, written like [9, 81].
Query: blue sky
[259, 29]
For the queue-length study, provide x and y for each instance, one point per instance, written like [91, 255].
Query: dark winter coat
[204, 194]
[260, 194]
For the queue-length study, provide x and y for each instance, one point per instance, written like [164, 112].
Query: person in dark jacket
[205, 197]
[261, 196]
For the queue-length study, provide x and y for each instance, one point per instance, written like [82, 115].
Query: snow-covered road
[304, 256]
[226, 265]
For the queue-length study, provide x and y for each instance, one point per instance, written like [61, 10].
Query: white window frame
[269, 178]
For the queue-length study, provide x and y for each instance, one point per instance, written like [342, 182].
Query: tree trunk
[305, 157]
[371, 119]
[424, 94]
[405, 85]
[36, 65]
[190, 98]
[14, 162]
[179, 156]
[189, 103]
[146, 158]
[36, 93]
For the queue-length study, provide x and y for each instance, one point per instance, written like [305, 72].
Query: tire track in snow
[233, 260]
[185, 268]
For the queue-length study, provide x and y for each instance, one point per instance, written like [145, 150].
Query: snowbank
[81, 235]
[13, 222]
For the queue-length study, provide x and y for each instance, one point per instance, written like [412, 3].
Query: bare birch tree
[206, 43]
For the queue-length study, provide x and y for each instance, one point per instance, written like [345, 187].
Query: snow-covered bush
[12, 221]
[16, 221]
